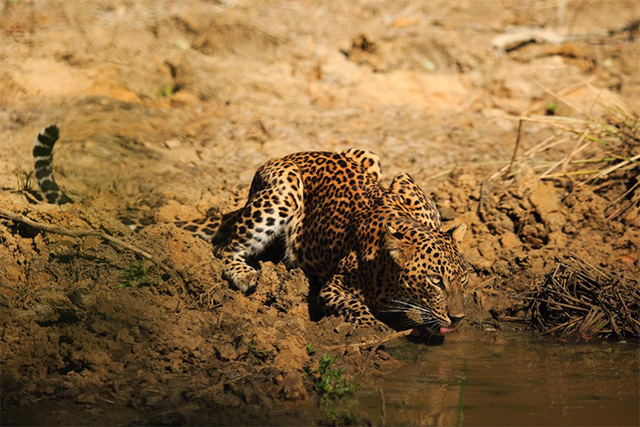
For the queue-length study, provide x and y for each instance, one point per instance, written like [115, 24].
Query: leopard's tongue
[446, 330]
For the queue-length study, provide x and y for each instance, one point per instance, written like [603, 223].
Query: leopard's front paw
[244, 283]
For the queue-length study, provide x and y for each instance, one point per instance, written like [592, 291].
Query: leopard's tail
[43, 159]
[214, 228]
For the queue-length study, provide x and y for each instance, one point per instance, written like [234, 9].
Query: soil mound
[167, 108]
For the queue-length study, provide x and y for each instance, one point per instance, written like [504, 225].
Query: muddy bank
[166, 109]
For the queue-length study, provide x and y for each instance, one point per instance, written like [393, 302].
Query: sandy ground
[166, 108]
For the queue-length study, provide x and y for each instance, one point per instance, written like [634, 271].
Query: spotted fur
[376, 253]
[43, 160]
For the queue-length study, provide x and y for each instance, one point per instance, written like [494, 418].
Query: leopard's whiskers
[426, 314]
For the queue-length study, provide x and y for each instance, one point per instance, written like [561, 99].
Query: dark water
[520, 381]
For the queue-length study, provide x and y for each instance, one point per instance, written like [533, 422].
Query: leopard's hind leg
[274, 209]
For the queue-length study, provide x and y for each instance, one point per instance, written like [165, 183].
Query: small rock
[486, 250]
[226, 352]
[343, 328]
[555, 221]
[172, 143]
[383, 355]
[88, 397]
[153, 400]
[124, 336]
[91, 242]
[466, 181]
[184, 98]
[509, 240]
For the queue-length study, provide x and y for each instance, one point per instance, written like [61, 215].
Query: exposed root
[84, 233]
[373, 344]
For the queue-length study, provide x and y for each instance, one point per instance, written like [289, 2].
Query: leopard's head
[430, 276]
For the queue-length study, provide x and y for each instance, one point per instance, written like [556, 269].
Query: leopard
[379, 256]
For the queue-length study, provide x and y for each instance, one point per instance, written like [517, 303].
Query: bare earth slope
[166, 108]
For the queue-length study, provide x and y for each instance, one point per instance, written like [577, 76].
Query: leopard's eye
[436, 280]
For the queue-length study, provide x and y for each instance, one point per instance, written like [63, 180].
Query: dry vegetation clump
[580, 301]
[594, 154]
[593, 147]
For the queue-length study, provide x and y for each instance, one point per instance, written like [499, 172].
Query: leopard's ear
[457, 232]
[395, 244]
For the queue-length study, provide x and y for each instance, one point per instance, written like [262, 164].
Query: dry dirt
[166, 108]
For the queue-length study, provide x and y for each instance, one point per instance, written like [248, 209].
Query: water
[519, 381]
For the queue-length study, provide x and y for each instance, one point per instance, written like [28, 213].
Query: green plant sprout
[330, 383]
[137, 276]
[310, 349]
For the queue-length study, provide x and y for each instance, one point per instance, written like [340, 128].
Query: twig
[558, 97]
[568, 296]
[615, 103]
[538, 147]
[515, 149]
[615, 167]
[484, 283]
[589, 266]
[563, 92]
[562, 325]
[85, 233]
[383, 406]
[580, 172]
[481, 199]
[617, 211]
[552, 120]
[373, 343]
[576, 149]
[548, 302]
[439, 174]
[2, 285]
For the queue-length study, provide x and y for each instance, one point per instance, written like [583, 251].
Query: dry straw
[597, 148]
[579, 301]
[599, 152]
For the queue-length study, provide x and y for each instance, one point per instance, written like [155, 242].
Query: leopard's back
[336, 189]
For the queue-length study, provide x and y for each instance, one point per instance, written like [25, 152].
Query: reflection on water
[518, 382]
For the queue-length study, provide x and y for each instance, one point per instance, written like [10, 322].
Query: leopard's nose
[456, 319]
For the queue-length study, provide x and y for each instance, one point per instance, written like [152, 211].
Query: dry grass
[580, 301]
[589, 151]
[596, 148]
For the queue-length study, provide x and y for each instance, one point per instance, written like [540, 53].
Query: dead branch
[85, 233]
[375, 343]
[517, 145]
